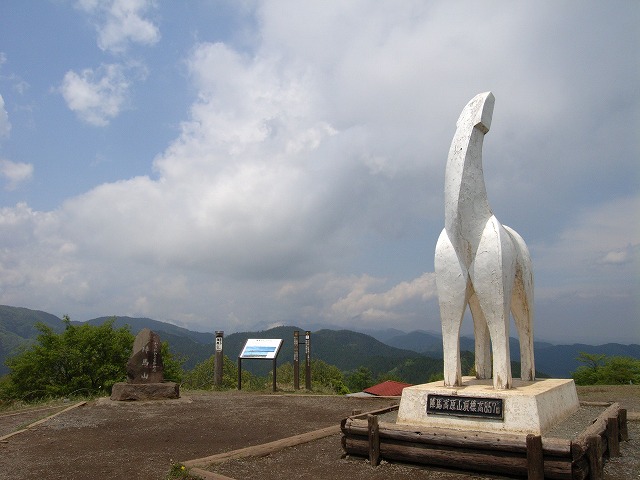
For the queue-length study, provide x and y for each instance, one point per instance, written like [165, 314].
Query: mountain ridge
[346, 349]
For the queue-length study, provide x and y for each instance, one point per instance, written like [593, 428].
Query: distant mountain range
[415, 355]
[558, 361]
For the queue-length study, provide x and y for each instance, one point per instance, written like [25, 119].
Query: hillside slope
[17, 329]
[192, 347]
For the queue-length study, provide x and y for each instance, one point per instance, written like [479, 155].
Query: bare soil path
[140, 440]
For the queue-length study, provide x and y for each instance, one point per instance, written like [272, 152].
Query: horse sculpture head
[478, 112]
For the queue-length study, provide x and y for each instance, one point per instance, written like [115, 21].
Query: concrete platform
[529, 407]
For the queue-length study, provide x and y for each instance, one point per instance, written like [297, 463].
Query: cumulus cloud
[96, 96]
[251, 187]
[365, 301]
[382, 308]
[305, 158]
[597, 253]
[99, 95]
[621, 256]
[5, 125]
[15, 173]
[121, 22]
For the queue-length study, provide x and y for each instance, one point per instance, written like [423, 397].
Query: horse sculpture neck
[467, 208]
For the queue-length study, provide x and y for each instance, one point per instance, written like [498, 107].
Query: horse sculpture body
[480, 263]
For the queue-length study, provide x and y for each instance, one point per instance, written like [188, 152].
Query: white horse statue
[480, 263]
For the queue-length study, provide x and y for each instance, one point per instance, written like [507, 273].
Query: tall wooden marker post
[307, 349]
[219, 360]
[296, 360]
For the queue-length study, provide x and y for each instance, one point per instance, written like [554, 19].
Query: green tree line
[598, 369]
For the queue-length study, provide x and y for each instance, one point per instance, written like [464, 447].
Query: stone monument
[486, 265]
[145, 377]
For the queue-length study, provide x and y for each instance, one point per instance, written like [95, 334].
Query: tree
[284, 374]
[601, 370]
[360, 379]
[172, 365]
[84, 359]
[201, 376]
[325, 377]
[592, 361]
[621, 370]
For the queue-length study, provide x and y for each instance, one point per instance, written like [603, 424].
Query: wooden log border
[529, 456]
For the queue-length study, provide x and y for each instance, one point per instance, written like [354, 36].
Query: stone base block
[529, 407]
[145, 391]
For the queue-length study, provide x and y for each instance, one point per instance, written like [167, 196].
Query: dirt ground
[141, 440]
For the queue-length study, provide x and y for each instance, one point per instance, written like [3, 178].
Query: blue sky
[227, 165]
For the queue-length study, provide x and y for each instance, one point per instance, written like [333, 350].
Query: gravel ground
[324, 459]
[311, 460]
[140, 440]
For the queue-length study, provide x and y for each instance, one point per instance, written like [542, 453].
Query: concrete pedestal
[529, 407]
[145, 391]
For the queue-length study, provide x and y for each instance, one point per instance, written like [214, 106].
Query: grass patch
[180, 472]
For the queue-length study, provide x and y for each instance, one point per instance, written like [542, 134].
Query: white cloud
[599, 252]
[121, 22]
[15, 173]
[5, 125]
[621, 256]
[380, 309]
[305, 160]
[233, 196]
[96, 96]
[364, 301]
[99, 95]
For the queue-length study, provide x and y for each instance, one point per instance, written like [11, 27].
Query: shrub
[84, 359]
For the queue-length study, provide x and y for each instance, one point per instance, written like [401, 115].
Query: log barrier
[529, 456]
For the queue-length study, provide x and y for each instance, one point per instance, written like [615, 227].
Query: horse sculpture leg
[482, 339]
[451, 282]
[492, 275]
[522, 317]
[522, 305]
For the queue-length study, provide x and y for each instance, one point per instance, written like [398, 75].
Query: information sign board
[265, 348]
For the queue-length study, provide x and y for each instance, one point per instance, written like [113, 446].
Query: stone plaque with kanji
[145, 364]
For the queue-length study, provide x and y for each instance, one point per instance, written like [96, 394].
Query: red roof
[389, 388]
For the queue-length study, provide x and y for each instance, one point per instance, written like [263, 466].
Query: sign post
[260, 349]
[296, 360]
[307, 349]
[219, 360]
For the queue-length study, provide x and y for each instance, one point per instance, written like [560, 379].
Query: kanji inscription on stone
[145, 364]
[460, 406]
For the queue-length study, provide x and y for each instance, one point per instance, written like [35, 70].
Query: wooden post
[535, 458]
[374, 440]
[622, 424]
[274, 374]
[594, 456]
[219, 360]
[307, 349]
[296, 360]
[613, 441]
[239, 373]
